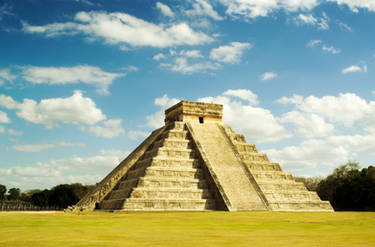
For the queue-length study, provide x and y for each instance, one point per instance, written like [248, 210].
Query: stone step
[174, 134]
[167, 162]
[262, 166]
[152, 181]
[112, 204]
[248, 157]
[170, 193]
[173, 143]
[299, 195]
[298, 206]
[170, 153]
[160, 171]
[271, 175]
[139, 204]
[120, 193]
[244, 147]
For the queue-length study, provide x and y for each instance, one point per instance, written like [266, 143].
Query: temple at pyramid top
[194, 111]
[195, 162]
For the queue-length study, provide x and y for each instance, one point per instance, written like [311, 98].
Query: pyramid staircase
[196, 163]
[168, 176]
[281, 191]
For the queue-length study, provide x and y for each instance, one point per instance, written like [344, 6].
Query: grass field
[187, 229]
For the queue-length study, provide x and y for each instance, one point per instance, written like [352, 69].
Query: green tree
[3, 190]
[14, 194]
[328, 186]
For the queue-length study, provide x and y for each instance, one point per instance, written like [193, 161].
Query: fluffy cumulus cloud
[75, 109]
[123, 29]
[330, 151]
[110, 129]
[203, 8]
[354, 68]
[243, 94]
[184, 66]
[87, 170]
[250, 9]
[231, 53]
[69, 75]
[256, 123]
[346, 109]
[308, 125]
[355, 5]
[268, 76]
[164, 9]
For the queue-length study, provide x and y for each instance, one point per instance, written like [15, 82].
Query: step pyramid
[195, 162]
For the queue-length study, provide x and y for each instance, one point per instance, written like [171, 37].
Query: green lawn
[187, 229]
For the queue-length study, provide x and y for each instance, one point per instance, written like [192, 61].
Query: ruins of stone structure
[195, 162]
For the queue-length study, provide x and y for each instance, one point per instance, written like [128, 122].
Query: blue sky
[83, 82]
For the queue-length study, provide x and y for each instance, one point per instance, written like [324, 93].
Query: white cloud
[295, 99]
[111, 128]
[330, 151]
[86, 170]
[346, 108]
[41, 147]
[308, 125]
[156, 120]
[203, 8]
[309, 19]
[231, 53]
[256, 123]
[70, 144]
[344, 26]
[313, 43]
[164, 9]
[330, 49]
[244, 94]
[15, 132]
[33, 148]
[75, 109]
[158, 56]
[2, 129]
[130, 68]
[354, 5]
[70, 75]
[250, 9]
[351, 69]
[183, 66]
[123, 29]
[268, 76]
[136, 134]
[4, 117]
[191, 53]
[6, 75]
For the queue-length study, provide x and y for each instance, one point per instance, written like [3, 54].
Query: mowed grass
[187, 229]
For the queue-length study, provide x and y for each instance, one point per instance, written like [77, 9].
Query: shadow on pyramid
[196, 163]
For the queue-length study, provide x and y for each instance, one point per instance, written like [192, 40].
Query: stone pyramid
[195, 162]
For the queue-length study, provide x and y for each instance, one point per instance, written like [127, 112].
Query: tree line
[347, 188]
[60, 196]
